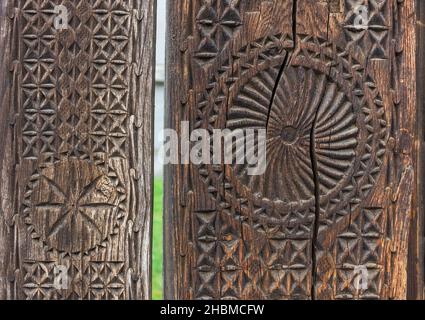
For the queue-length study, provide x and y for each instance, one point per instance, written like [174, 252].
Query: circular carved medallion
[309, 113]
[73, 205]
[325, 125]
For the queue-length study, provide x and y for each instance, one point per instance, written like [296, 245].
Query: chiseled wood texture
[337, 193]
[76, 149]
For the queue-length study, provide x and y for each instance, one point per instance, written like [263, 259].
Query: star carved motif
[74, 205]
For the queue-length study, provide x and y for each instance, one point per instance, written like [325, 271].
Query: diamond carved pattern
[75, 89]
[217, 21]
[76, 105]
[106, 280]
[370, 37]
[95, 280]
[225, 270]
[360, 249]
[287, 266]
[39, 281]
[38, 83]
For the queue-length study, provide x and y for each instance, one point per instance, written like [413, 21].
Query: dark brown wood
[76, 148]
[337, 198]
[416, 249]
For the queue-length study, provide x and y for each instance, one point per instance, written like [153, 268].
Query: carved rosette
[326, 129]
[78, 127]
[74, 206]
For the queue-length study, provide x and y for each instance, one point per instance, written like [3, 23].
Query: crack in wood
[288, 58]
[323, 214]
[317, 202]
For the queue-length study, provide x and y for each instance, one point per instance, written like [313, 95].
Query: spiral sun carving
[308, 111]
[326, 135]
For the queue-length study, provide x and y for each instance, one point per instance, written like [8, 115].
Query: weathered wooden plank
[416, 249]
[333, 82]
[76, 152]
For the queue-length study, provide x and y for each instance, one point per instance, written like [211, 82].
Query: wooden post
[334, 215]
[76, 148]
[416, 248]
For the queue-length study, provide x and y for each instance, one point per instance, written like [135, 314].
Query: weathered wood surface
[336, 198]
[75, 153]
[416, 249]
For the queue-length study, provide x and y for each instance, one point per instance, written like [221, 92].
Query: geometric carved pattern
[370, 37]
[77, 87]
[110, 75]
[73, 68]
[93, 280]
[336, 141]
[106, 280]
[287, 274]
[225, 270]
[214, 273]
[345, 99]
[90, 206]
[361, 246]
[39, 101]
[321, 97]
[81, 97]
[316, 76]
[39, 281]
[217, 21]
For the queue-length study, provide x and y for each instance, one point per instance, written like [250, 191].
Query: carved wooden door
[333, 83]
[75, 154]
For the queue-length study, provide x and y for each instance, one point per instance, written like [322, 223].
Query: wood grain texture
[416, 254]
[337, 95]
[76, 149]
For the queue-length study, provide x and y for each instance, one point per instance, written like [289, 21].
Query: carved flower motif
[74, 205]
[326, 134]
[310, 121]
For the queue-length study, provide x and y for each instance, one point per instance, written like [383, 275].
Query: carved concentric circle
[308, 108]
[326, 129]
[73, 205]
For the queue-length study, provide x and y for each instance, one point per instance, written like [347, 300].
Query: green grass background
[157, 262]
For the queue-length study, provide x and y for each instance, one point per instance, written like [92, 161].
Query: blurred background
[157, 261]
